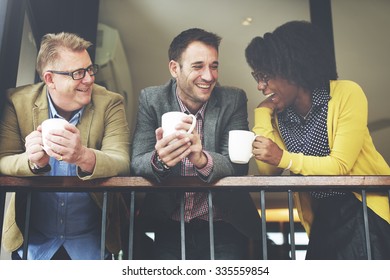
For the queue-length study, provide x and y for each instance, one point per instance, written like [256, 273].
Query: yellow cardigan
[352, 149]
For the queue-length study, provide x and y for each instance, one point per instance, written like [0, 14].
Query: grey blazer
[225, 111]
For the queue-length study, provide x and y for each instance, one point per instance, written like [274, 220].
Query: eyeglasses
[79, 73]
[258, 76]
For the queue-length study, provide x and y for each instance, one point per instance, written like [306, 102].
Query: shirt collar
[320, 97]
[184, 109]
[54, 114]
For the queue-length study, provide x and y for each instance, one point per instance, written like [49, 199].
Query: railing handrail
[251, 182]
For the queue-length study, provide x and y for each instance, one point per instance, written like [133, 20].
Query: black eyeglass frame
[259, 76]
[92, 70]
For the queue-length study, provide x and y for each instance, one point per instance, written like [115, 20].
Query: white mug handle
[254, 138]
[193, 123]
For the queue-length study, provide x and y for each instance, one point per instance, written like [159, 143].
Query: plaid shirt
[196, 203]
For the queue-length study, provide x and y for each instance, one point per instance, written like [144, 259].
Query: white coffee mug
[240, 145]
[170, 120]
[47, 126]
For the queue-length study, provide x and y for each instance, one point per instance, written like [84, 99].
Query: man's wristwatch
[161, 164]
[38, 170]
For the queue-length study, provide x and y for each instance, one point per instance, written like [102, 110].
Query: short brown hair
[185, 38]
[51, 44]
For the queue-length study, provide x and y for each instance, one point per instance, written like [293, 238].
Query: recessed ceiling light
[247, 21]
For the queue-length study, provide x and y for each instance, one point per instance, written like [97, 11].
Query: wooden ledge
[251, 183]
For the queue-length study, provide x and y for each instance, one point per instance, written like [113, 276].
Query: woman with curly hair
[310, 123]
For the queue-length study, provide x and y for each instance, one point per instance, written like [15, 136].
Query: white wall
[362, 44]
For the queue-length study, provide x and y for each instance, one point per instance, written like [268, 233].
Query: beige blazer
[103, 127]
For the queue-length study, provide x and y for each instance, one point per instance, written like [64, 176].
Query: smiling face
[196, 74]
[69, 95]
[283, 94]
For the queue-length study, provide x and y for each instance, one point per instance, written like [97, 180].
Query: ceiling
[146, 28]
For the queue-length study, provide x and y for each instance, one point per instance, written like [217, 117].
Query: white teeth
[269, 95]
[203, 86]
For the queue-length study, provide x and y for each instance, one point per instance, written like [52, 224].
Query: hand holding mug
[266, 150]
[33, 144]
[171, 120]
[50, 126]
[172, 137]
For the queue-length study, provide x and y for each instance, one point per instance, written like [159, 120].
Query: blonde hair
[51, 45]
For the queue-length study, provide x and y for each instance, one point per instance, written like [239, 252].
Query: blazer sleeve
[15, 124]
[233, 115]
[144, 139]
[108, 135]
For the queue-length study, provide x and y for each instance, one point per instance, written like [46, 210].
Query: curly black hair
[296, 51]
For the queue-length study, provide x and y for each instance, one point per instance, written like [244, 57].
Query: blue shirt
[67, 219]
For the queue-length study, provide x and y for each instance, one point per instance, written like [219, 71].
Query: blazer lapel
[41, 108]
[85, 123]
[210, 124]
[41, 113]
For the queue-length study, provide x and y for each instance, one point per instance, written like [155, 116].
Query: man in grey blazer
[193, 64]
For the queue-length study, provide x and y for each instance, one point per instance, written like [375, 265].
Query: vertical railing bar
[211, 226]
[263, 226]
[131, 225]
[27, 226]
[104, 222]
[388, 194]
[366, 227]
[2, 211]
[291, 221]
[182, 228]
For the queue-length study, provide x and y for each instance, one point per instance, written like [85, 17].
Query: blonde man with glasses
[94, 144]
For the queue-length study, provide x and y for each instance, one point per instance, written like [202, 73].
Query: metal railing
[260, 184]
